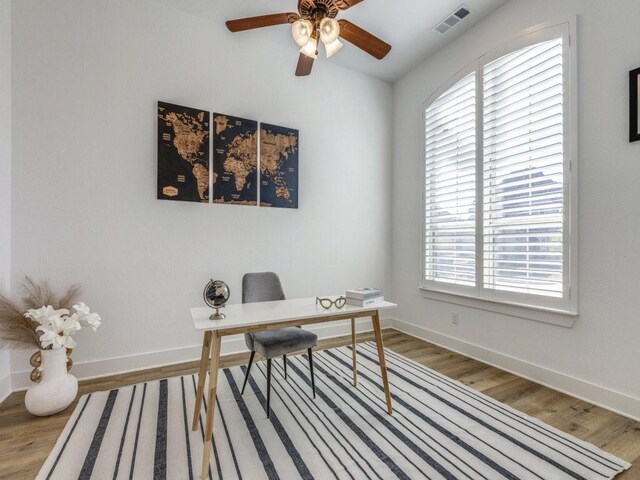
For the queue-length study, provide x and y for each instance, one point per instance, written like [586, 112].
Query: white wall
[5, 175]
[597, 358]
[86, 79]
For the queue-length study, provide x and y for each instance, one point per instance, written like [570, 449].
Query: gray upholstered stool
[266, 287]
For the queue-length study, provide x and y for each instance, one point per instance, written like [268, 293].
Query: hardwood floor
[25, 441]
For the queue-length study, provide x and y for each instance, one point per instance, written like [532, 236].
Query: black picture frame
[634, 105]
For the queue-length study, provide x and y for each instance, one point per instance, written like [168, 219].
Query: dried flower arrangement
[48, 322]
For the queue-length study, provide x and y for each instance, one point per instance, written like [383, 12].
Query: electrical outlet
[454, 318]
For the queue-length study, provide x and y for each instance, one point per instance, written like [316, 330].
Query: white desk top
[249, 314]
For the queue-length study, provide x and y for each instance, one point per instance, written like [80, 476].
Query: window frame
[518, 304]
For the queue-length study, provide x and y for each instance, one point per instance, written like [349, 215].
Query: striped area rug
[440, 429]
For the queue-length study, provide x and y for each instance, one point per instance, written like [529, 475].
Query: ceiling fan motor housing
[317, 9]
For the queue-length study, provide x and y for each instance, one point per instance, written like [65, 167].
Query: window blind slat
[463, 144]
[548, 157]
[449, 138]
[512, 202]
[526, 162]
[461, 88]
[540, 180]
[531, 81]
[451, 113]
[505, 149]
[523, 105]
[463, 161]
[549, 124]
[523, 118]
[515, 211]
[516, 58]
[502, 221]
[442, 182]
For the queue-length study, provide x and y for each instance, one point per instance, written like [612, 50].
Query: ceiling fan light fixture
[302, 30]
[333, 47]
[311, 48]
[329, 30]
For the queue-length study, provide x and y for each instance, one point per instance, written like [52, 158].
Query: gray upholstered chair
[266, 287]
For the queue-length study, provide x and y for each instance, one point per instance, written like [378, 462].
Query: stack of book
[364, 297]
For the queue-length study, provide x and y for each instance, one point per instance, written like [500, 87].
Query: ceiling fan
[316, 20]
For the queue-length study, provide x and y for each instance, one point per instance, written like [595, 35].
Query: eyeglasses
[327, 303]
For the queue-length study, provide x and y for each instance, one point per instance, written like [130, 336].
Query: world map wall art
[235, 160]
[278, 166]
[249, 160]
[183, 153]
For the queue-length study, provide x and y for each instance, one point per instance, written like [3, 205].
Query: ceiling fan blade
[344, 4]
[305, 64]
[250, 23]
[364, 40]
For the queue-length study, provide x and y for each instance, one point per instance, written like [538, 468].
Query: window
[499, 180]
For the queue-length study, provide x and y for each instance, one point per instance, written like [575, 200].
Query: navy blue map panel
[279, 154]
[235, 160]
[183, 153]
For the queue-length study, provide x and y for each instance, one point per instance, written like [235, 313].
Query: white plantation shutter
[523, 168]
[450, 185]
[500, 202]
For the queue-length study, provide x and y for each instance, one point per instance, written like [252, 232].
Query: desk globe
[216, 295]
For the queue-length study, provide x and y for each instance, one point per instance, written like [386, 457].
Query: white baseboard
[233, 344]
[603, 397]
[5, 387]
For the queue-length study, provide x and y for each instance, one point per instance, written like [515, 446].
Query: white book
[363, 293]
[365, 303]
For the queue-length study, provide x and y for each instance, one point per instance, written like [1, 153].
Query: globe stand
[217, 315]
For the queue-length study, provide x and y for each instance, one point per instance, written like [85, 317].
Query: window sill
[561, 318]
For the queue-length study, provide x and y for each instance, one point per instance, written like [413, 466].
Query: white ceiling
[405, 24]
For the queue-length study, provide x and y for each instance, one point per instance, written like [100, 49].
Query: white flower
[57, 334]
[57, 326]
[86, 318]
[45, 315]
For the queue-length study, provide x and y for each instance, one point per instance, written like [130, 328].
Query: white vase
[57, 389]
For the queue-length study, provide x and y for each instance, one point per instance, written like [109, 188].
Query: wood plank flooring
[25, 441]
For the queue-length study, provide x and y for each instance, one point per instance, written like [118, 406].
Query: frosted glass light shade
[310, 48]
[301, 31]
[329, 30]
[333, 47]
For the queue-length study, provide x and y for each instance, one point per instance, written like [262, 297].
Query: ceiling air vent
[452, 19]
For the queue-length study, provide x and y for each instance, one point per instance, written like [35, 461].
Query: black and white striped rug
[440, 429]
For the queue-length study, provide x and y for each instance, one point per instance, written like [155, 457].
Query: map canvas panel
[183, 153]
[235, 160]
[278, 166]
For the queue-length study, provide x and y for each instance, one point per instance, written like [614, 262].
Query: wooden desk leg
[211, 401]
[202, 376]
[354, 354]
[383, 364]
